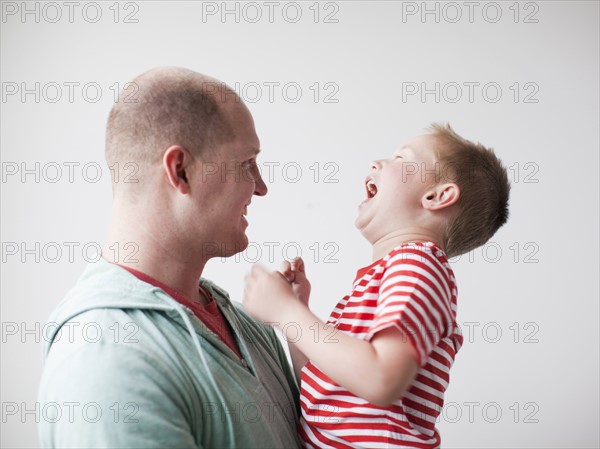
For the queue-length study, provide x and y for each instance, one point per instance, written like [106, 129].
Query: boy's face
[395, 189]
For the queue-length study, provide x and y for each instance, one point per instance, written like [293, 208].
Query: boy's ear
[441, 196]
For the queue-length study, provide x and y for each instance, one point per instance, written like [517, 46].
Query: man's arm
[111, 395]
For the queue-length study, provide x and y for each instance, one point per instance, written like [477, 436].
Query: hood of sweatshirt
[105, 285]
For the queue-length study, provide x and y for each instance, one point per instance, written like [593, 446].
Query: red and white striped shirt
[412, 288]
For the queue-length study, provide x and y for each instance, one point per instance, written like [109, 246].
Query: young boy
[375, 374]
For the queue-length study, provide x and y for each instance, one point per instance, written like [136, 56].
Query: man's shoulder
[112, 332]
[234, 307]
[253, 331]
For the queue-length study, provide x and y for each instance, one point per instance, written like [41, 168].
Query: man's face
[395, 188]
[223, 186]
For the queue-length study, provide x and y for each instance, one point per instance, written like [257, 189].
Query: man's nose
[260, 188]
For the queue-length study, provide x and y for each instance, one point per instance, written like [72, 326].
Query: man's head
[163, 107]
[437, 185]
[193, 145]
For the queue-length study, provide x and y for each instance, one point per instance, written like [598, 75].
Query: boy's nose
[376, 164]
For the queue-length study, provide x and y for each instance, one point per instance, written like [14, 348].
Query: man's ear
[176, 162]
[441, 196]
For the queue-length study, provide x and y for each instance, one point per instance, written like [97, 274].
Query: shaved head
[163, 107]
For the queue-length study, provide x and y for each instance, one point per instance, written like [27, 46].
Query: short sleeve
[414, 297]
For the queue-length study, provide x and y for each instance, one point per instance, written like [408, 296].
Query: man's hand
[295, 273]
[267, 295]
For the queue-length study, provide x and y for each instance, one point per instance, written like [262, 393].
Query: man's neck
[156, 253]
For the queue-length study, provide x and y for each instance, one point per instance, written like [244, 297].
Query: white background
[529, 384]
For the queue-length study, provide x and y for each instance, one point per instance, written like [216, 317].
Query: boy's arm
[295, 273]
[298, 360]
[379, 370]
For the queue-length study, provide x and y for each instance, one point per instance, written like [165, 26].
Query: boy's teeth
[372, 188]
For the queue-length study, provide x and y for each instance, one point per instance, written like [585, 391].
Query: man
[145, 355]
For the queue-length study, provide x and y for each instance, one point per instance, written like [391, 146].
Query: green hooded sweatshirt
[127, 366]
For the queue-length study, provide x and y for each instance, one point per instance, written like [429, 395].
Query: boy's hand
[295, 273]
[267, 294]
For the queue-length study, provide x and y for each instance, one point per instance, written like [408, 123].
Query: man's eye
[251, 168]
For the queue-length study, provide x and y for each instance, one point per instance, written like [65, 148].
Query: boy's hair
[484, 190]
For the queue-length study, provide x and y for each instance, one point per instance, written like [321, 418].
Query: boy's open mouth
[371, 188]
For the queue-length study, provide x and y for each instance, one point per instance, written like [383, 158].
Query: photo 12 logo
[54, 412]
[67, 171]
[70, 12]
[490, 412]
[67, 252]
[471, 12]
[272, 252]
[270, 12]
[275, 91]
[66, 91]
[469, 92]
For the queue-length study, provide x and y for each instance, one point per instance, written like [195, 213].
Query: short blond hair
[163, 107]
[484, 190]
